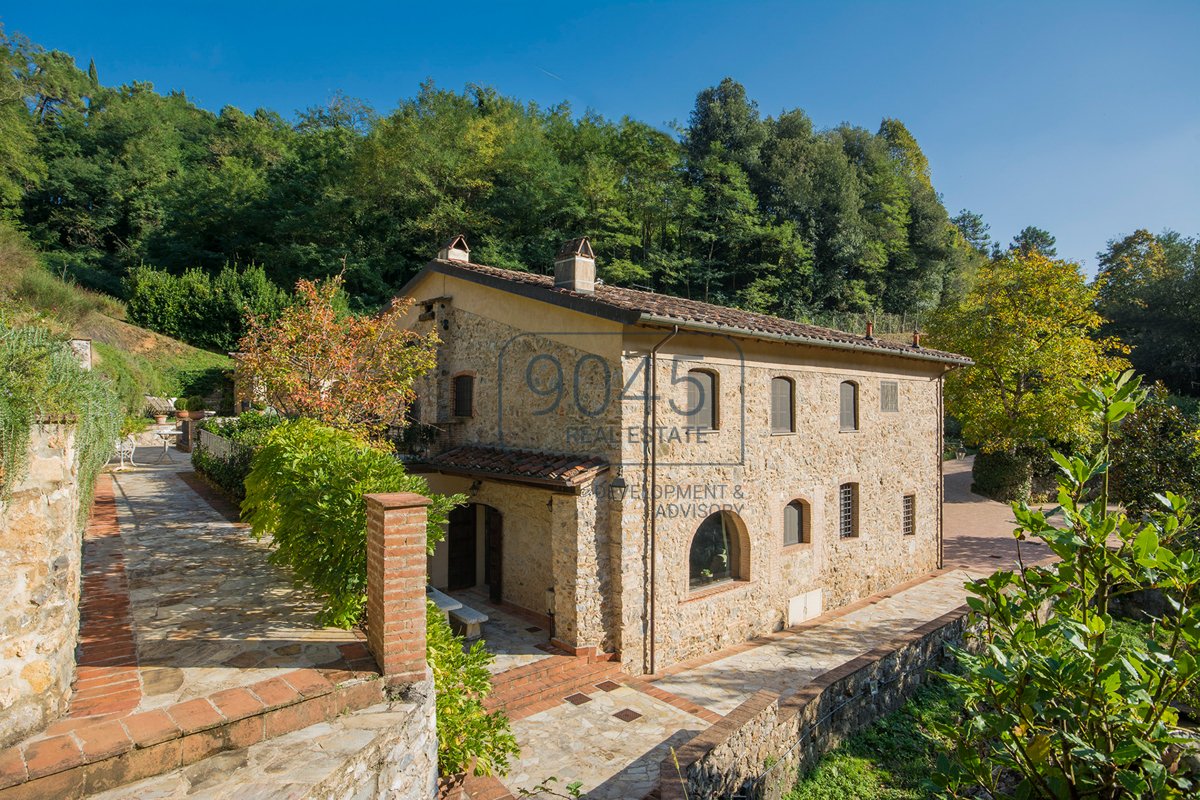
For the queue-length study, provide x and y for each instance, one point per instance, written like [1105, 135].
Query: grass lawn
[891, 760]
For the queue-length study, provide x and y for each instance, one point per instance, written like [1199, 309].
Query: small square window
[909, 520]
[889, 396]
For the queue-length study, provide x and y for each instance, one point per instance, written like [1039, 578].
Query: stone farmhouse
[664, 477]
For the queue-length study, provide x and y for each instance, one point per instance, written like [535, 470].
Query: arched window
[849, 406]
[718, 552]
[703, 410]
[795, 523]
[464, 395]
[783, 405]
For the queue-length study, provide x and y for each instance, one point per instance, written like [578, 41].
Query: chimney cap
[576, 247]
[456, 242]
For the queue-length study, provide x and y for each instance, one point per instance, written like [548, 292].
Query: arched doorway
[475, 542]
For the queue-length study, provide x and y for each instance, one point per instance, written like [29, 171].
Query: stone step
[525, 690]
[82, 757]
[346, 757]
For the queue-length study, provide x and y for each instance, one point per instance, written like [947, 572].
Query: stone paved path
[790, 663]
[613, 742]
[978, 531]
[208, 612]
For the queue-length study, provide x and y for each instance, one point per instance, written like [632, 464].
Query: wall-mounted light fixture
[474, 490]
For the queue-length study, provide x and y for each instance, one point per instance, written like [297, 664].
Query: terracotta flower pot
[182, 414]
[160, 419]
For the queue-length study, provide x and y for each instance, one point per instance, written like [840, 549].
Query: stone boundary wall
[41, 546]
[757, 750]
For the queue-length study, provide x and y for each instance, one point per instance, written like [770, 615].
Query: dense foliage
[763, 212]
[305, 489]
[246, 432]
[41, 380]
[469, 736]
[354, 372]
[1057, 704]
[1029, 323]
[1149, 291]
[201, 309]
[1157, 446]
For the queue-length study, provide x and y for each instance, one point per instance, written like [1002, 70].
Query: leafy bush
[1056, 704]
[247, 433]
[305, 489]
[198, 308]
[40, 378]
[466, 730]
[1002, 476]
[1157, 446]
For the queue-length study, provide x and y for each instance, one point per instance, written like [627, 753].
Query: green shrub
[306, 488]
[1157, 446]
[1056, 703]
[1003, 476]
[466, 730]
[247, 433]
[40, 378]
[201, 309]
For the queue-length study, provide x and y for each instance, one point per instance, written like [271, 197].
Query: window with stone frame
[703, 408]
[848, 406]
[464, 395]
[848, 510]
[908, 523]
[795, 523]
[889, 396]
[715, 554]
[783, 405]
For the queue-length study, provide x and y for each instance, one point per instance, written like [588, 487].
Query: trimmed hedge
[1002, 476]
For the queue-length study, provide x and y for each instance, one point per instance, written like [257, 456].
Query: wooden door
[460, 539]
[493, 556]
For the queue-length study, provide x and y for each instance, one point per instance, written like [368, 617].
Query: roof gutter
[708, 327]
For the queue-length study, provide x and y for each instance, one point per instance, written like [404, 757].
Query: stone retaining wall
[757, 750]
[40, 552]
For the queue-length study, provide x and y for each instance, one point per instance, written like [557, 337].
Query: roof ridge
[670, 309]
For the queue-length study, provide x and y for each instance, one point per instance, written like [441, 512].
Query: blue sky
[1081, 118]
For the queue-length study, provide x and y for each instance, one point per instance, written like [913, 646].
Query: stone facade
[41, 537]
[758, 748]
[557, 380]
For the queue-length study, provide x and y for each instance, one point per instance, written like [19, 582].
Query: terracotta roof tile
[637, 305]
[530, 465]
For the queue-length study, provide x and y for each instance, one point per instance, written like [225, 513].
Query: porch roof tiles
[553, 470]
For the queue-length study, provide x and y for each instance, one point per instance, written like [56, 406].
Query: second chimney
[575, 267]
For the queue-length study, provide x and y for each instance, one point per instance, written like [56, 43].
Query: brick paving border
[106, 680]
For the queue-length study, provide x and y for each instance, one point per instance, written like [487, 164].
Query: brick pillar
[396, 585]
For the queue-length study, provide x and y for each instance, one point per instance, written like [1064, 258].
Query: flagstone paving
[208, 611]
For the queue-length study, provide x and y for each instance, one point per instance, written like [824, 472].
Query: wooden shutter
[793, 523]
[782, 406]
[849, 406]
[464, 396]
[889, 396]
[702, 400]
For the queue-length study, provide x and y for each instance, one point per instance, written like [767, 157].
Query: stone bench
[444, 602]
[467, 621]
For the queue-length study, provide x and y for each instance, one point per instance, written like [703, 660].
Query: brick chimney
[575, 267]
[455, 250]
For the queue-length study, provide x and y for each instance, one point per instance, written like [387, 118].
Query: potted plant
[196, 406]
[160, 418]
[183, 408]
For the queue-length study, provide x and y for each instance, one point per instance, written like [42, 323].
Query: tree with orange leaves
[351, 372]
